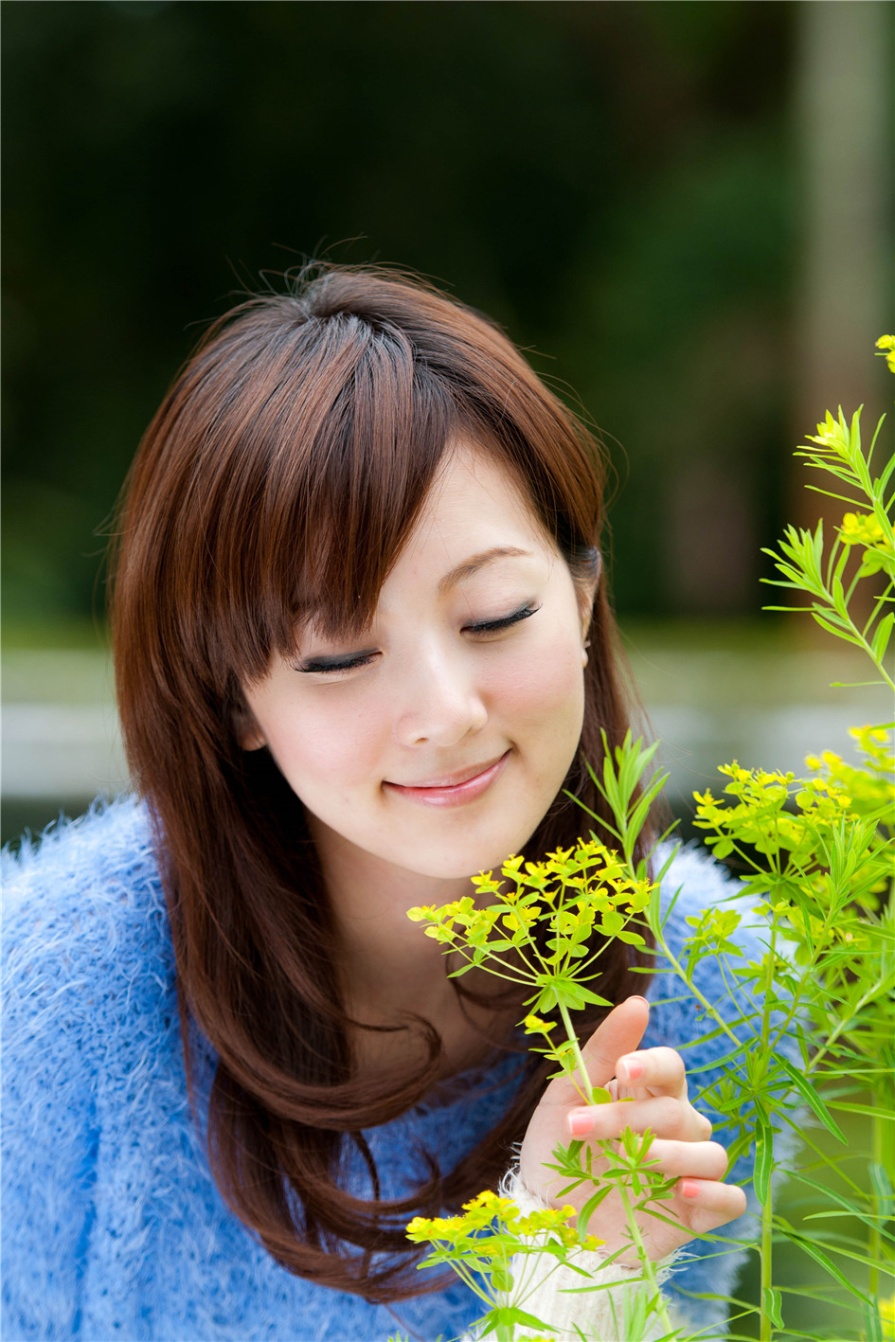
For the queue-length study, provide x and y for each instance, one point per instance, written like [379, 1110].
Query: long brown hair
[283, 473]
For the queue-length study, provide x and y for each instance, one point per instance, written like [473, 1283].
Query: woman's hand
[653, 1085]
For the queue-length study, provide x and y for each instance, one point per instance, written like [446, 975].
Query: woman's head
[288, 504]
[285, 471]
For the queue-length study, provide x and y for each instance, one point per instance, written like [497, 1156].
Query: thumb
[620, 1033]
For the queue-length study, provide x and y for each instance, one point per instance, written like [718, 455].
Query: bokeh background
[682, 210]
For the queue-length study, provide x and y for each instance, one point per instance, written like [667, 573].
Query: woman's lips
[470, 784]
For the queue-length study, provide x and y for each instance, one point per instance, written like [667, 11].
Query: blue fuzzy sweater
[112, 1224]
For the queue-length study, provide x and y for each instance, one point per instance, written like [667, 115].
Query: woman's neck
[390, 971]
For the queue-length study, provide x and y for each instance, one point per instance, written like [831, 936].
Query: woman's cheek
[323, 750]
[548, 682]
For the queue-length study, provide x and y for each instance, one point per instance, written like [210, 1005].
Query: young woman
[363, 649]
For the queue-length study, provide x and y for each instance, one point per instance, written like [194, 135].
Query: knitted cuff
[617, 1312]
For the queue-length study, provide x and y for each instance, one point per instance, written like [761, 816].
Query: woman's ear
[586, 590]
[248, 733]
[587, 610]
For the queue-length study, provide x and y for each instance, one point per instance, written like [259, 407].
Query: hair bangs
[346, 472]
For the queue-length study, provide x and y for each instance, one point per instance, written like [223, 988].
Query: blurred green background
[681, 210]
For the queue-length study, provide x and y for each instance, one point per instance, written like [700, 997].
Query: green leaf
[506, 1316]
[826, 1263]
[873, 1324]
[764, 1156]
[591, 1206]
[810, 1095]
[882, 1189]
[772, 1301]
[882, 636]
[577, 995]
[867, 1109]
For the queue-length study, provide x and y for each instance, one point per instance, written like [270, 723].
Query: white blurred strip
[61, 750]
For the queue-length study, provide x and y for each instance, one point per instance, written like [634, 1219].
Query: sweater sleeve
[49, 1140]
[70, 976]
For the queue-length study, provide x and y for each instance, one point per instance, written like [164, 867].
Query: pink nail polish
[632, 1068]
[689, 1188]
[581, 1123]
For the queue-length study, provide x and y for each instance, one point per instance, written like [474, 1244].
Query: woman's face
[436, 741]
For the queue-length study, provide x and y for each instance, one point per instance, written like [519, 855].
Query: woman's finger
[657, 1070]
[698, 1160]
[663, 1115]
[704, 1204]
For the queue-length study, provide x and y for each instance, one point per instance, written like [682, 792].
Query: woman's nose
[440, 702]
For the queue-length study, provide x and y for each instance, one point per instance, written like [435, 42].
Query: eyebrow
[478, 561]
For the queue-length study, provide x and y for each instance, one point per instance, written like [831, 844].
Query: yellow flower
[886, 347]
[861, 529]
[887, 1314]
[832, 434]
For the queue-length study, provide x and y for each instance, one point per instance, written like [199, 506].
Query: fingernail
[637, 998]
[689, 1188]
[630, 1069]
[581, 1122]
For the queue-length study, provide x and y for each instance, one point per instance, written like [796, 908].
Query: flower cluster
[861, 529]
[772, 811]
[809, 831]
[480, 1246]
[867, 530]
[870, 786]
[833, 438]
[539, 924]
[491, 1213]
[544, 926]
[886, 347]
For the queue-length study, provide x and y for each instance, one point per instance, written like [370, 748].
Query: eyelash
[317, 666]
[495, 626]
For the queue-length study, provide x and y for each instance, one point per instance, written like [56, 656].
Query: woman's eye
[333, 665]
[486, 627]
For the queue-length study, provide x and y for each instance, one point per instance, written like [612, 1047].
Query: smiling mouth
[453, 789]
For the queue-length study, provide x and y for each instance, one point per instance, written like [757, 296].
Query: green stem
[881, 1281]
[579, 1059]
[767, 1263]
[874, 1241]
[647, 1266]
[859, 639]
[842, 1026]
[767, 1211]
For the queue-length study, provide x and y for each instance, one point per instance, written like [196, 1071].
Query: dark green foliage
[607, 180]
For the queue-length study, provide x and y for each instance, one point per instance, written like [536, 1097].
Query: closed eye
[486, 627]
[330, 665]
[352, 662]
